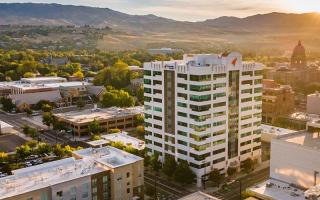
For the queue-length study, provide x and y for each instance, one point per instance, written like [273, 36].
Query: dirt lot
[8, 143]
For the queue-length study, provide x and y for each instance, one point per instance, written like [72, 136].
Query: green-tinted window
[181, 85]
[181, 114]
[147, 81]
[217, 95]
[200, 98]
[200, 88]
[183, 105]
[219, 85]
[147, 90]
[258, 73]
[200, 108]
[147, 72]
[158, 109]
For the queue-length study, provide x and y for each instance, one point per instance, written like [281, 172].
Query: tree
[146, 161]
[155, 162]
[95, 137]
[47, 118]
[32, 144]
[58, 151]
[119, 98]
[23, 151]
[140, 130]
[94, 127]
[29, 75]
[118, 145]
[40, 103]
[216, 177]
[140, 120]
[29, 111]
[169, 165]
[114, 130]
[231, 171]
[7, 104]
[78, 74]
[3, 157]
[43, 148]
[46, 108]
[183, 173]
[248, 165]
[29, 131]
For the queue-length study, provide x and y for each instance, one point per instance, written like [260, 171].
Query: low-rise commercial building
[199, 196]
[125, 139]
[108, 118]
[277, 100]
[313, 103]
[270, 132]
[91, 174]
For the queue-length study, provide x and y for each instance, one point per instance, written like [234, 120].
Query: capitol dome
[298, 58]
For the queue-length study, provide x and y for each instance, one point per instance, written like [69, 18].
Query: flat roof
[98, 142]
[45, 175]
[305, 116]
[45, 78]
[125, 139]
[67, 84]
[199, 196]
[274, 189]
[108, 156]
[276, 131]
[88, 115]
[303, 138]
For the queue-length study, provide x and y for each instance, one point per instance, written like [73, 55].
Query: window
[185, 96]
[200, 118]
[246, 134]
[246, 91]
[147, 81]
[147, 90]
[182, 152]
[247, 82]
[246, 117]
[200, 77]
[245, 143]
[246, 126]
[248, 73]
[158, 144]
[128, 174]
[200, 108]
[257, 81]
[257, 90]
[158, 109]
[182, 133]
[200, 98]
[128, 190]
[147, 72]
[182, 143]
[258, 98]
[156, 91]
[182, 124]
[200, 128]
[219, 123]
[218, 160]
[245, 151]
[218, 133]
[157, 126]
[157, 73]
[218, 142]
[219, 85]
[183, 105]
[218, 114]
[181, 114]
[183, 76]
[59, 194]
[216, 76]
[258, 73]
[184, 86]
[157, 100]
[217, 95]
[200, 88]
[246, 100]
[147, 99]
[219, 151]
[157, 118]
[157, 82]
[215, 105]
[246, 108]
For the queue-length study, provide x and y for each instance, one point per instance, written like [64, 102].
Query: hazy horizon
[184, 10]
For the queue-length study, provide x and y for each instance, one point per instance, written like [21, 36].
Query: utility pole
[155, 186]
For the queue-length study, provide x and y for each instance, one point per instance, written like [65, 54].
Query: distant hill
[144, 31]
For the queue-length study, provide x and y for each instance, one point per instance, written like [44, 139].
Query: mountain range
[222, 29]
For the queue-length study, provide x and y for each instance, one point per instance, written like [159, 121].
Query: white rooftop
[303, 138]
[108, 156]
[44, 79]
[89, 115]
[126, 139]
[67, 84]
[273, 189]
[199, 196]
[276, 131]
[91, 161]
[5, 125]
[97, 143]
[45, 175]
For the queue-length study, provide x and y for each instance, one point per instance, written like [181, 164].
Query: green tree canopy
[94, 127]
[216, 177]
[119, 98]
[169, 165]
[183, 173]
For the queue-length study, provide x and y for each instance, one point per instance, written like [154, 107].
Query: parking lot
[8, 143]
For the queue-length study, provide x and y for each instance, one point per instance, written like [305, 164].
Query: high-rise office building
[205, 109]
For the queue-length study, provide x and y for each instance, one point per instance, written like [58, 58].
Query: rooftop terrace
[276, 131]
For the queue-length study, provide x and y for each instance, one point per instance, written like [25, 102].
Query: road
[165, 189]
[234, 189]
[50, 136]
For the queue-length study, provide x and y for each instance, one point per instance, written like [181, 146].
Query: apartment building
[91, 174]
[277, 101]
[108, 118]
[205, 109]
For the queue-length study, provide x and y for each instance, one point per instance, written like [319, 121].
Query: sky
[193, 10]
